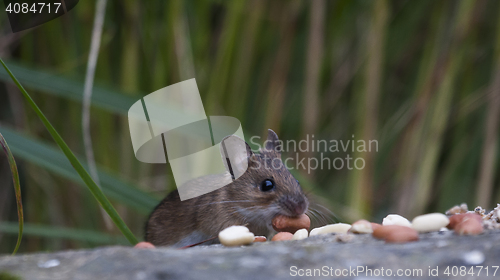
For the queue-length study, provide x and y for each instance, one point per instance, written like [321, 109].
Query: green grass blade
[58, 85]
[17, 188]
[63, 233]
[52, 159]
[94, 189]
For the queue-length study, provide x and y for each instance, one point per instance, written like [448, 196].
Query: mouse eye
[267, 185]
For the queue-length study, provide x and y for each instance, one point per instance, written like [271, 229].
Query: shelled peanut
[394, 228]
[283, 223]
[395, 234]
[282, 236]
[236, 236]
[466, 224]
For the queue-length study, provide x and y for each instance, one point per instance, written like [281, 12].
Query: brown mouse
[266, 189]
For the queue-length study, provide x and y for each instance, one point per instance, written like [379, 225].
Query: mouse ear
[235, 153]
[273, 143]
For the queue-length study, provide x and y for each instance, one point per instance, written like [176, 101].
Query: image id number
[34, 8]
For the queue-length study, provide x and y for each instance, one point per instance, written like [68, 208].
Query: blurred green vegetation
[420, 77]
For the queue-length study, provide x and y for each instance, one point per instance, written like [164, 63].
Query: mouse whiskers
[320, 217]
[220, 202]
[315, 218]
[330, 213]
[244, 211]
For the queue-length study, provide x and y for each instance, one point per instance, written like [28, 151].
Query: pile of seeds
[394, 228]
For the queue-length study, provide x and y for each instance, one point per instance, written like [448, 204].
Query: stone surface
[269, 260]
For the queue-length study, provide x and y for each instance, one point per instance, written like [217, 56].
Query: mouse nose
[295, 205]
[300, 207]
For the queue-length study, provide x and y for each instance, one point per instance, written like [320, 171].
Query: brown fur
[182, 223]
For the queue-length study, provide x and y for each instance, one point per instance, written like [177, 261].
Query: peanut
[430, 222]
[144, 245]
[282, 236]
[375, 225]
[361, 226]
[469, 226]
[291, 224]
[300, 234]
[236, 236]
[395, 234]
[394, 219]
[334, 228]
[458, 218]
[401, 237]
[260, 239]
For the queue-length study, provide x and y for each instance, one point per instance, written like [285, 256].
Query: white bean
[300, 234]
[430, 222]
[334, 228]
[361, 226]
[395, 219]
[236, 236]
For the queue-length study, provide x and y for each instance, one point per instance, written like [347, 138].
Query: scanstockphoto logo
[208, 152]
[312, 154]
[171, 125]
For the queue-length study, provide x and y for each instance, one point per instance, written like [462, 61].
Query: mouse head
[266, 188]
